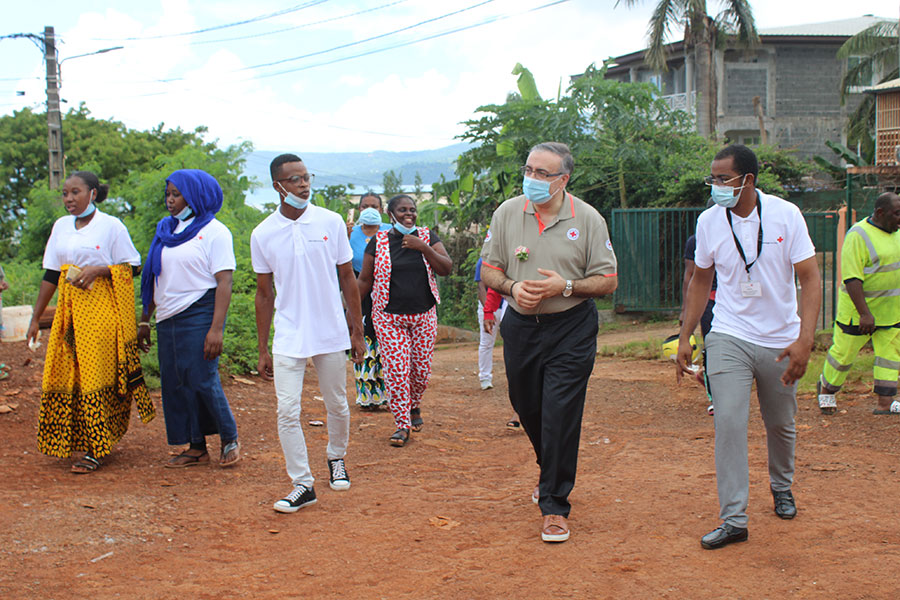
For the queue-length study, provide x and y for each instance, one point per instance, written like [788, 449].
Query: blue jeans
[194, 404]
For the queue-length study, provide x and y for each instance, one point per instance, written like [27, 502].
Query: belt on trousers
[548, 317]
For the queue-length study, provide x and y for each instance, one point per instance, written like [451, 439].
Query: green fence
[649, 244]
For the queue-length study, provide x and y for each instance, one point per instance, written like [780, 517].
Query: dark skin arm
[436, 255]
[855, 291]
[354, 311]
[143, 332]
[44, 295]
[265, 308]
[810, 302]
[212, 346]
[694, 305]
[366, 276]
[688, 273]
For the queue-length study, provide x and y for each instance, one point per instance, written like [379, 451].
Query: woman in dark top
[399, 270]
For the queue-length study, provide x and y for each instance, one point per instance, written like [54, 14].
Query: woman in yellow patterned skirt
[92, 371]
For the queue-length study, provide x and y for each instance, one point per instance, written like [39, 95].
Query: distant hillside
[363, 169]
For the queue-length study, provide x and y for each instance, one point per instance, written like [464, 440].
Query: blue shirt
[358, 242]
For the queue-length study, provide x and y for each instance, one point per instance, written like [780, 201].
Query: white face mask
[185, 214]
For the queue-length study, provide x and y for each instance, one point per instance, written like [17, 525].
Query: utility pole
[54, 118]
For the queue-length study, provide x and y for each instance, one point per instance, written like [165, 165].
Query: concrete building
[794, 72]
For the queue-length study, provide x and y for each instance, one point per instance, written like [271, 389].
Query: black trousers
[549, 359]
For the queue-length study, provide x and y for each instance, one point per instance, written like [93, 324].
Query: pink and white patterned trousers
[406, 343]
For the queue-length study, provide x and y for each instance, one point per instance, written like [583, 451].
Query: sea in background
[363, 170]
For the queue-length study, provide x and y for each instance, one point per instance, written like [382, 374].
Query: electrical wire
[255, 19]
[376, 37]
[488, 21]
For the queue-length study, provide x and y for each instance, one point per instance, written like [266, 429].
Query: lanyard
[759, 239]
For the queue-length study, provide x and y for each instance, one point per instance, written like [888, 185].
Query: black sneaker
[338, 479]
[300, 497]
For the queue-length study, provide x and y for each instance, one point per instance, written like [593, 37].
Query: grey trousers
[732, 365]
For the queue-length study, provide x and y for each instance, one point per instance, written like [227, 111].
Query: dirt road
[449, 516]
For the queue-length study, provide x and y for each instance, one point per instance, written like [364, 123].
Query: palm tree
[701, 34]
[876, 52]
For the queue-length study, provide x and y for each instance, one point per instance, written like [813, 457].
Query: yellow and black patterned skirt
[92, 371]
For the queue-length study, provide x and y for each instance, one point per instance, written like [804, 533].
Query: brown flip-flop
[187, 460]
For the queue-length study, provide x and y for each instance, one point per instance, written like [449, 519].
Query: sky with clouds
[328, 75]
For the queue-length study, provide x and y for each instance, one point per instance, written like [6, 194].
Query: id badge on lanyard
[749, 288]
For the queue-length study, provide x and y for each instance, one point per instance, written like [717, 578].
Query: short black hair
[744, 159]
[93, 183]
[884, 201]
[279, 160]
[392, 203]
[369, 195]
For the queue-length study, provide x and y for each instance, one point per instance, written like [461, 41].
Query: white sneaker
[486, 384]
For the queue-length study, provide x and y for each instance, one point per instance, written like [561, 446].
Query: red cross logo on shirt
[325, 238]
[98, 247]
[199, 237]
[780, 239]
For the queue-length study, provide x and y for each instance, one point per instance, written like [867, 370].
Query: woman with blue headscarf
[187, 280]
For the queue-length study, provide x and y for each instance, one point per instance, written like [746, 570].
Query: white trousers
[486, 343]
[332, 371]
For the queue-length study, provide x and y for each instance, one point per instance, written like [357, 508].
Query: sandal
[187, 460]
[827, 402]
[400, 437]
[513, 424]
[231, 448]
[415, 417]
[85, 464]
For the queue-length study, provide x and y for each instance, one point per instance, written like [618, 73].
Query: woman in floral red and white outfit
[399, 270]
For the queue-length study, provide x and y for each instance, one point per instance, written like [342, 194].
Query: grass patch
[639, 350]
[860, 374]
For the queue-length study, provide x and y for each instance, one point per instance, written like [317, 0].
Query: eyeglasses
[296, 179]
[537, 173]
[718, 179]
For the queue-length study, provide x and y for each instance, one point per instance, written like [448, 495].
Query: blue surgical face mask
[404, 230]
[725, 195]
[185, 214]
[296, 201]
[535, 190]
[87, 212]
[370, 216]
[90, 208]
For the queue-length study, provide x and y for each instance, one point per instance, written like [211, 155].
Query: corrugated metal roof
[887, 86]
[846, 27]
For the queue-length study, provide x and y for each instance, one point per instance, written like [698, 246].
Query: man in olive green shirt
[550, 253]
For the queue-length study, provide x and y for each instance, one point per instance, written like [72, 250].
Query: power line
[255, 19]
[379, 36]
[303, 26]
[488, 21]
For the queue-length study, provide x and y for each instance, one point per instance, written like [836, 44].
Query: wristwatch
[568, 291]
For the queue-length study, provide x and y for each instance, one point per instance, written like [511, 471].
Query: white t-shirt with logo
[770, 320]
[102, 242]
[189, 270]
[303, 256]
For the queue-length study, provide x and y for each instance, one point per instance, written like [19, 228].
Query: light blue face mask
[370, 216]
[185, 214]
[296, 201]
[535, 190]
[726, 196]
[87, 212]
[404, 230]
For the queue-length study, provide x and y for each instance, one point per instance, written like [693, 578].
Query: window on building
[867, 76]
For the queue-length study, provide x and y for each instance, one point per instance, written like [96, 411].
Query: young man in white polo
[302, 260]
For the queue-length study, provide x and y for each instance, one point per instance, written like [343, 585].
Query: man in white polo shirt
[302, 260]
[754, 244]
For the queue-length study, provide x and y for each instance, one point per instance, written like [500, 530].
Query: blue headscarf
[204, 195]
